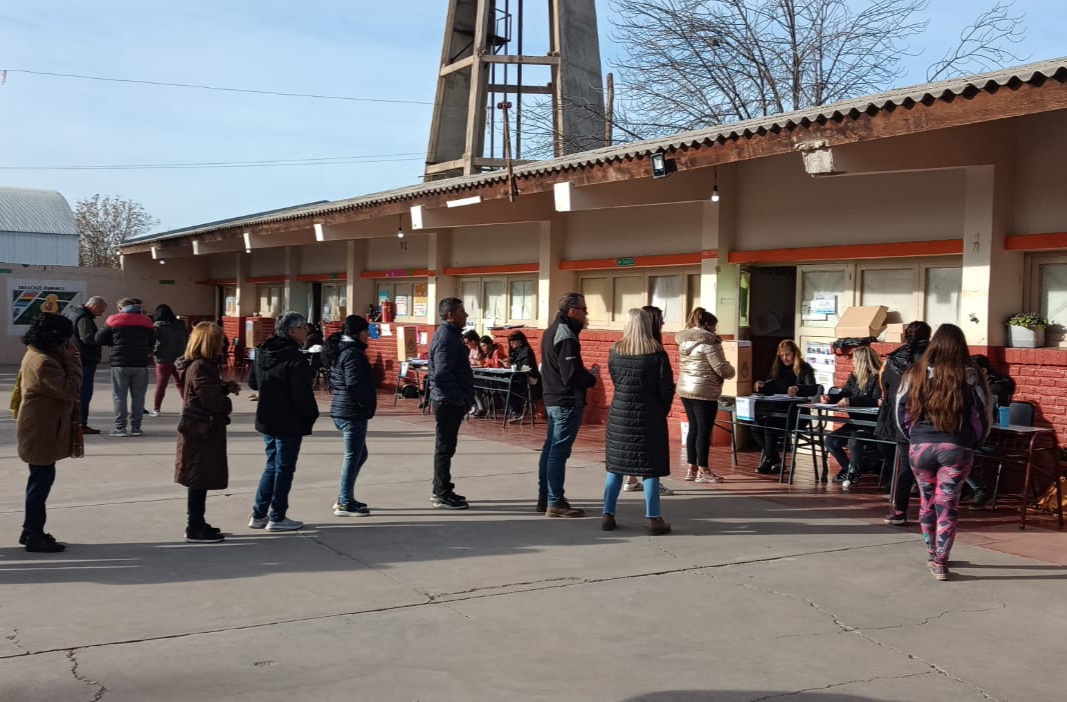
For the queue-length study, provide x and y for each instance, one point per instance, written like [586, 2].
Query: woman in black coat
[790, 375]
[637, 440]
[354, 402]
[528, 385]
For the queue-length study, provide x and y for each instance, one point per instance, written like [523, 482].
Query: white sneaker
[631, 487]
[664, 490]
[284, 525]
[255, 522]
[154, 413]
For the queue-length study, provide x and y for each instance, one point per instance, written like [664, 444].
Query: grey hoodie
[702, 365]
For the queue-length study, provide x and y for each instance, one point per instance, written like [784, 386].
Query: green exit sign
[622, 262]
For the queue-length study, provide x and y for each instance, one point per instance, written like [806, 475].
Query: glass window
[522, 300]
[402, 303]
[822, 297]
[629, 293]
[893, 287]
[597, 293]
[692, 293]
[942, 304]
[470, 293]
[229, 301]
[1053, 277]
[270, 300]
[495, 308]
[665, 292]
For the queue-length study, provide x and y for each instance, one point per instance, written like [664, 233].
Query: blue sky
[364, 49]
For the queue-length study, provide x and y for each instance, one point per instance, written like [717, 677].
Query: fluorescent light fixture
[196, 247]
[248, 242]
[463, 202]
[155, 253]
[320, 235]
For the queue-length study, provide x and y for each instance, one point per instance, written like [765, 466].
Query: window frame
[1032, 289]
[506, 280]
[684, 304]
[392, 283]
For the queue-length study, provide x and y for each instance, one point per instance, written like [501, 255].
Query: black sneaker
[852, 480]
[770, 468]
[450, 501]
[840, 477]
[896, 519]
[42, 543]
[205, 534]
[981, 497]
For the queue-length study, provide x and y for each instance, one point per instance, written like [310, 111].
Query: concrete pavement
[748, 600]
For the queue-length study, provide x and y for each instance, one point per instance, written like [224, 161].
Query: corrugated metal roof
[220, 222]
[928, 92]
[35, 212]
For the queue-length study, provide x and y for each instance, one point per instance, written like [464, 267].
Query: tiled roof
[35, 211]
[926, 93]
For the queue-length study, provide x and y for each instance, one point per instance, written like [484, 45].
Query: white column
[552, 283]
[247, 303]
[358, 290]
[439, 257]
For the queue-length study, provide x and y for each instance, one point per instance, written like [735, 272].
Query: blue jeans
[355, 436]
[88, 376]
[613, 486]
[132, 382]
[273, 491]
[563, 424]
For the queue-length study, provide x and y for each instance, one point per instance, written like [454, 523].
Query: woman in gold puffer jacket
[702, 369]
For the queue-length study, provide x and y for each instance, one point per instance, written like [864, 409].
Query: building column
[719, 280]
[358, 290]
[294, 293]
[990, 290]
[440, 286]
[247, 304]
[552, 283]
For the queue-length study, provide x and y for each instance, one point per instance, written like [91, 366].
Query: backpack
[1047, 502]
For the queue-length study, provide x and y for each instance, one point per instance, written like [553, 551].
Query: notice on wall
[30, 300]
[821, 357]
[401, 305]
[419, 306]
[824, 303]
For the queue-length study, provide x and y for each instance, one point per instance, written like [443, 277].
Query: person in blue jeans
[565, 381]
[285, 414]
[354, 402]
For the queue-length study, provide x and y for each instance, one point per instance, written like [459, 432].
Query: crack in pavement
[849, 629]
[840, 684]
[72, 656]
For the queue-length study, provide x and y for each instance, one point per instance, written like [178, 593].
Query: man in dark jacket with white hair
[285, 413]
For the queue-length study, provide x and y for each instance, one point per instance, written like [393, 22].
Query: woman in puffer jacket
[702, 369]
[943, 407]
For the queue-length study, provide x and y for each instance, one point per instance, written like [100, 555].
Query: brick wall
[1040, 377]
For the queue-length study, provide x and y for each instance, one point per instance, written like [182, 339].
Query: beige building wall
[323, 257]
[1041, 142]
[633, 231]
[386, 254]
[495, 245]
[266, 262]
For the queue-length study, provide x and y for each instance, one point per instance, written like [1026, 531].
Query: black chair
[1020, 414]
[810, 438]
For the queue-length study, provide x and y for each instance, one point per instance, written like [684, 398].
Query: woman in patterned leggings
[943, 408]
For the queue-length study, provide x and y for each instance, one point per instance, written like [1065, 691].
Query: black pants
[851, 436]
[768, 433]
[449, 419]
[701, 415]
[905, 478]
[37, 488]
[197, 505]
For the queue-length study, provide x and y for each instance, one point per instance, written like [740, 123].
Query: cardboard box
[253, 331]
[407, 340]
[745, 408]
[894, 333]
[739, 354]
[861, 322]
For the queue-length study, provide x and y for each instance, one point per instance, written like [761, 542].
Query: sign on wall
[28, 300]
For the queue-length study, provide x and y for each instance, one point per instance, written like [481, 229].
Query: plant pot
[1023, 338]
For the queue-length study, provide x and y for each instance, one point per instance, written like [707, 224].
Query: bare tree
[104, 223]
[694, 63]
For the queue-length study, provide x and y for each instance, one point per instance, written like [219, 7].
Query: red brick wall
[383, 356]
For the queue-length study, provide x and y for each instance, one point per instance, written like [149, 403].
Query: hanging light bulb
[715, 188]
[400, 227]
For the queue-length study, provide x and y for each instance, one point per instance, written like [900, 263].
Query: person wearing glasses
[565, 380]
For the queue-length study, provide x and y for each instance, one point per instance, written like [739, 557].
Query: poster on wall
[821, 357]
[29, 300]
[401, 305]
[419, 307]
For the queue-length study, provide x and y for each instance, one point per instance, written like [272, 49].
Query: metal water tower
[482, 64]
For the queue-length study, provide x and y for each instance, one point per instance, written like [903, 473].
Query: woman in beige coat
[46, 429]
[702, 370]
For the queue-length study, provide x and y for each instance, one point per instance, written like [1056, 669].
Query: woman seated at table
[861, 390]
[492, 357]
[471, 339]
[790, 375]
[521, 356]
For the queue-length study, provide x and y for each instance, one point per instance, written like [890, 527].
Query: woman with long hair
[790, 375]
[861, 390]
[353, 404]
[637, 441]
[490, 353]
[655, 315]
[49, 418]
[702, 368]
[171, 338]
[528, 385]
[916, 339]
[943, 407]
[201, 463]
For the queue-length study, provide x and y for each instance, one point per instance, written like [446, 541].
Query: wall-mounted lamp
[715, 187]
[659, 165]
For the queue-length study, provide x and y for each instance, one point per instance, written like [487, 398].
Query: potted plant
[1026, 330]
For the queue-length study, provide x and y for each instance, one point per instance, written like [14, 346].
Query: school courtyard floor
[760, 592]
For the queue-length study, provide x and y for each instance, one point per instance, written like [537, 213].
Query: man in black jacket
[131, 336]
[285, 414]
[85, 332]
[565, 381]
[452, 393]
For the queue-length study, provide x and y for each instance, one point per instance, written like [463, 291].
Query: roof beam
[535, 208]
